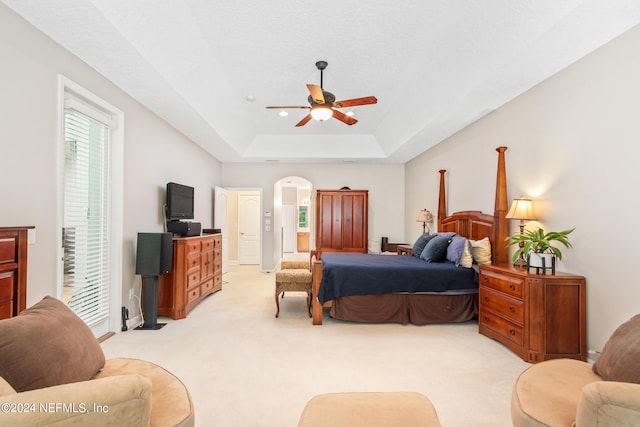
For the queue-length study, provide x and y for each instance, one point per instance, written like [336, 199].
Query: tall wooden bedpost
[442, 200]
[501, 227]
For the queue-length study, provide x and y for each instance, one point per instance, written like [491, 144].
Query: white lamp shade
[424, 216]
[321, 112]
[522, 209]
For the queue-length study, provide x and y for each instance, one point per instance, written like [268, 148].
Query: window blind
[86, 214]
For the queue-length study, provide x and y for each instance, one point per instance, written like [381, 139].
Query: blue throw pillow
[455, 249]
[436, 249]
[419, 245]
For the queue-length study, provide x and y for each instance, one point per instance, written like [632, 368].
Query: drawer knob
[512, 332]
[486, 318]
[485, 278]
[486, 298]
[512, 286]
[512, 309]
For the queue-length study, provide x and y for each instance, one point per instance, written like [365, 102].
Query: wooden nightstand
[404, 249]
[538, 317]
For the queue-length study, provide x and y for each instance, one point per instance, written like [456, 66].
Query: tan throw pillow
[620, 357]
[481, 250]
[47, 345]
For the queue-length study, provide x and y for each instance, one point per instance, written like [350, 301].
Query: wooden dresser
[538, 317]
[196, 272]
[13, 270]
[342, 221]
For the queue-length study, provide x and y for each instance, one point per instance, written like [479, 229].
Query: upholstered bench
[294, 276]
[369, 409]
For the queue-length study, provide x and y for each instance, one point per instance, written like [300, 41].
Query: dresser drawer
[193, 246]
[7, 250]
[509, 285]
[193, 261]
[217, 282]
[508, 330]
[6, 286]
[6, 309]
[511, 308]
[193, 295]
[193, 279]
[207, 244]
[207, 287]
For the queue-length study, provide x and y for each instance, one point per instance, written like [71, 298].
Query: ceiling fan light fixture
[321, 112]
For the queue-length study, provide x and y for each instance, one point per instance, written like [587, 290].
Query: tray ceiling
[434, 66]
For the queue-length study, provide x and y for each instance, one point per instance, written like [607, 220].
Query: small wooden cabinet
[196, 272]
[13, 270]
[342, 221]
[303, 241]
[538, 317]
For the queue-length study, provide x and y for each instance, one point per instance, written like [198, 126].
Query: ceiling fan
[323, 104]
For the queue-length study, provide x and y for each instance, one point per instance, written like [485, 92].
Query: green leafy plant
[539, 242]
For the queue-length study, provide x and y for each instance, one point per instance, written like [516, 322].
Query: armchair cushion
[547, 393]
[621, 353]
[609, 403]
[113, 401]
[46, 345]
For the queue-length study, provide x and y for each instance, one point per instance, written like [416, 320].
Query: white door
[249, 227]
[221, 221]
[289, 227]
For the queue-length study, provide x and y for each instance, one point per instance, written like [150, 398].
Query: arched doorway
[294, 218]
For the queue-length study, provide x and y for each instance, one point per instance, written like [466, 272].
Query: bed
[384, 289]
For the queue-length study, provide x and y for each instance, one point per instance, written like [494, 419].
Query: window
[89, 220]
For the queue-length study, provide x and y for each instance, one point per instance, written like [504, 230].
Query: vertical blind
[86, 214]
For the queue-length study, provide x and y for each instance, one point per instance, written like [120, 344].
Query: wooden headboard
[474, 224]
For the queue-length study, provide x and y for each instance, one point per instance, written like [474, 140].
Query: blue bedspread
[362, 274]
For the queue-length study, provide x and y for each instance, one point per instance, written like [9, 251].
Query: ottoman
[369, 409]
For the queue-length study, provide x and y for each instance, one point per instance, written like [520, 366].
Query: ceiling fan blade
[367, 100]
[288, 106]
[304, 121]
[344, 118]
[316, 93]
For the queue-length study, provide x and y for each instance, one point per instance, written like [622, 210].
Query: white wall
[384, 182]
[154, 152]
[573, 144]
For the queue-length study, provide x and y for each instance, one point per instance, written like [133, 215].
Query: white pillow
[481, 250]
[466, 260]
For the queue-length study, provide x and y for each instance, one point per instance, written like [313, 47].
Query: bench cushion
[372, 409]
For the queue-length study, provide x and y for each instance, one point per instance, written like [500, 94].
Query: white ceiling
[434, 65]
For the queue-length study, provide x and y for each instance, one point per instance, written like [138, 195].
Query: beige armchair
[53, 371]
[567, 392]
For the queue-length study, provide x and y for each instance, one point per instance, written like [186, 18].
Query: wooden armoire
[341, 220]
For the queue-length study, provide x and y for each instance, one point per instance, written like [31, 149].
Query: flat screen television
[179, 202]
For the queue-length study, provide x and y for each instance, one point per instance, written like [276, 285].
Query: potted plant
[535, 244]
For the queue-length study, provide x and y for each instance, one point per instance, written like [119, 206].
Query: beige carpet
[244, 367]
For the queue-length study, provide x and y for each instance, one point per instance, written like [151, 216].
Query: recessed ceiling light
[250, 98]
[283, 113]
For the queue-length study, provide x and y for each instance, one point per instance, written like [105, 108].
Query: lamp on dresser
[424, 216]
[522, 209]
